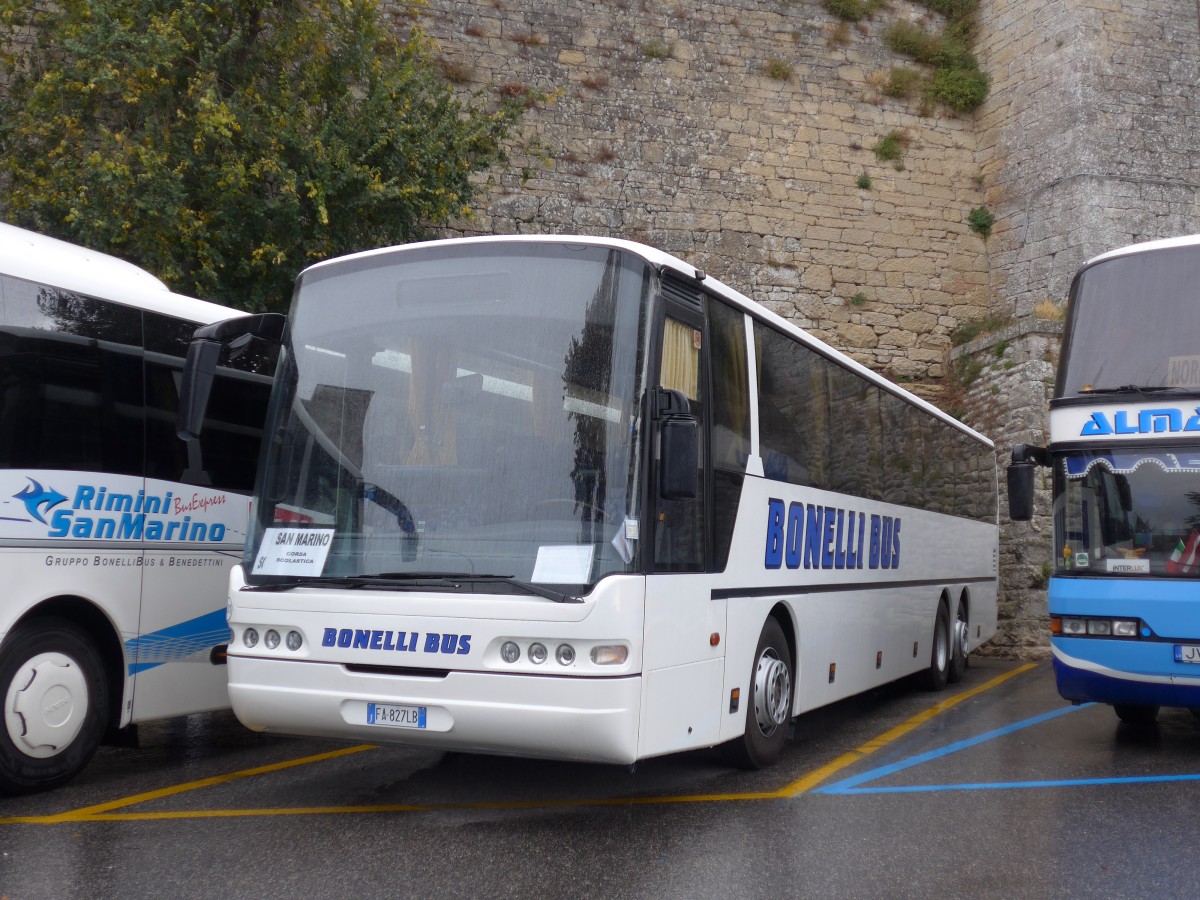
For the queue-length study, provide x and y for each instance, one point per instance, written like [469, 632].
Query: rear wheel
[934, 678]
[55, 698]
[959, 641]
[1136, 713]
[769, 706]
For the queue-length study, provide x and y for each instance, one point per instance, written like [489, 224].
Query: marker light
[565, 654]
[294, 641]
[610, 655]
[271, 639]
[250, 637]
[510, 652]
[537, 654]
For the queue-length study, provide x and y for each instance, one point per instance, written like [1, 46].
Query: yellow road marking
[106, 812]
[93, 812]
[812, 779]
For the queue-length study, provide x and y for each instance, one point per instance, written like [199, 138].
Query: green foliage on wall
[226, 146]
[957, 81]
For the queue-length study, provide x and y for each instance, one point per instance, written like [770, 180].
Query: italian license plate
[394, 716]
[1187, 653]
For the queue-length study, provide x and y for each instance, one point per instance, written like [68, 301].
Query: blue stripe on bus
[177, 641]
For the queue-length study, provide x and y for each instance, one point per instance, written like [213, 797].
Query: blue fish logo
[38, 499]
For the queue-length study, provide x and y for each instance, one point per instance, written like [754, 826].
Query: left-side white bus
[569, 497]
[115, 537]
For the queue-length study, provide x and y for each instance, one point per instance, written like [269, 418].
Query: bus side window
[679, 532]
[730, 421]
[70, 382]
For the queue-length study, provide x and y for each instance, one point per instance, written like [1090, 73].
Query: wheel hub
[46, 704]
[962, 637]
[772, 692]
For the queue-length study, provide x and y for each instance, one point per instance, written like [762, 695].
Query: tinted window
[730, 421]
[70, 382]
[824, 426]
[793, 417]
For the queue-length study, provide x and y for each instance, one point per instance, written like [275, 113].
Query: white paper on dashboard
[563, 564]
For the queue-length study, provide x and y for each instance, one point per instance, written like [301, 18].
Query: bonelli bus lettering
[502, 459]
[117, 536]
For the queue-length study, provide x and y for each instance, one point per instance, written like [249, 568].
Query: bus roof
[661, 260]
[1189, 240]
[46, 260]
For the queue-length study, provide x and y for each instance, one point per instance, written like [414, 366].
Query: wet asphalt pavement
[994, 788]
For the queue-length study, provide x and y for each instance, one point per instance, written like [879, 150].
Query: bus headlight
[565, 654]
[250, 637]
[1095, 626]
[510, 652]
[610, 654]
[271, 639]
[295, 641]
[1074, 626]
[537, 654]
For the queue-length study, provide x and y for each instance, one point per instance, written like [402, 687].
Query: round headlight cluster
[565, 654]
[272, 639]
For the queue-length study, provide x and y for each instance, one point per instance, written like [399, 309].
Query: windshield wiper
[1134, 389]
[414, 580]
[470, 578]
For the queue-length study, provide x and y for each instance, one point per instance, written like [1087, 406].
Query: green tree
[226, 144]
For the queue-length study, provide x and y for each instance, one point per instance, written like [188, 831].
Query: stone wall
[666, 128]
[1011, 383]
[1089, 139]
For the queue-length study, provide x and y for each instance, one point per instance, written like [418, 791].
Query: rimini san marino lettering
[98, 513]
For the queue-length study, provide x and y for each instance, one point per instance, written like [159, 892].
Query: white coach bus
[571, 498]
[115, 536]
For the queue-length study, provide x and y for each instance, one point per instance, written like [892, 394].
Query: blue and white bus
[115, 536]
[569, 497]
[1124, 450]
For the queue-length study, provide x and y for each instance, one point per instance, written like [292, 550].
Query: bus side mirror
[679, 459]
[1020, 491]
[200, 367]
[198, 373]
[1020, 480]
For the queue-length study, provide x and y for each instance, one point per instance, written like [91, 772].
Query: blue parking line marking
[1015, 785]
[852, 784]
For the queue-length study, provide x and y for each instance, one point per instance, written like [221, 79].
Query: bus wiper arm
[469, 578]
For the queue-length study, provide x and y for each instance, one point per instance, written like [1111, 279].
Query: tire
[769, 704]
[935, 677]
[960, 637]
[55, 705]
[1136, 713]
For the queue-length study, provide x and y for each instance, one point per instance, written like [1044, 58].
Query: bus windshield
[475, 420]
[1106, 346]
[1122, 512]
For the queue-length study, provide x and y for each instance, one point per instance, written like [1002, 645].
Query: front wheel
[1136, 714]
[55, 698]
[769, 706]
